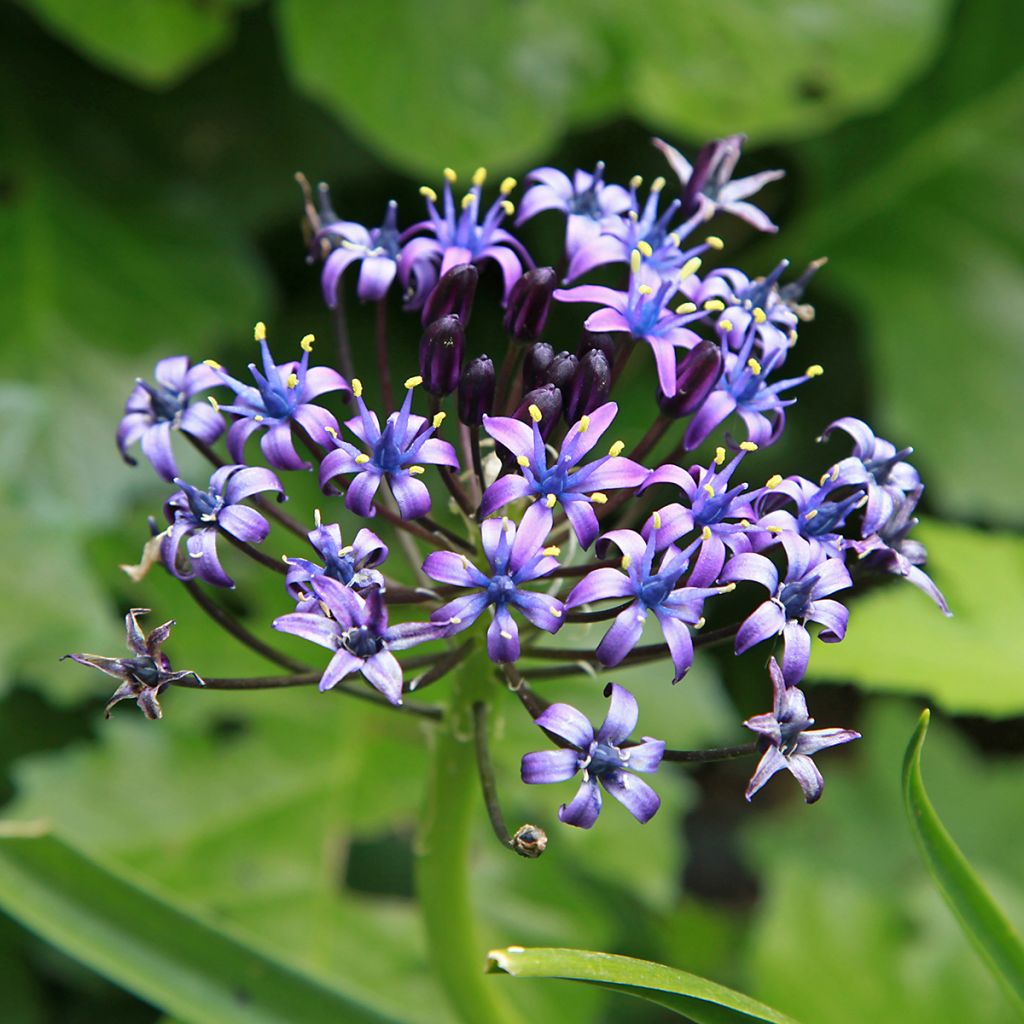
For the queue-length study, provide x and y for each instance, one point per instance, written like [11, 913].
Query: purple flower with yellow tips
[357, 631]
[575, 488]
[281, 400]
[789, 742]
[398, 454]
[605, 758]
[459, 235]
[643, 313]
[801, 596]
[647, 592]
[709, 186]
[514, 557]
[153, 411]
[197, 517]
[145, 675]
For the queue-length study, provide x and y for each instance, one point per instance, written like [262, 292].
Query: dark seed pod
[696, 375]
[529, 841]
[441, 349]
[529, 303]
[476, 391]
[590, 386]
[453, 294]
[535, 365]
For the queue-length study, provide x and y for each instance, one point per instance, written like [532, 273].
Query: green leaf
[703, 1001]
[899, 642]
[979, 915]
[160, 952]
[153, 43]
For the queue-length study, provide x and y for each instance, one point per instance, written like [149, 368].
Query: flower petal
[564, 721]
[584, 808]
[621, 718]
[634, 794]
[549, 766]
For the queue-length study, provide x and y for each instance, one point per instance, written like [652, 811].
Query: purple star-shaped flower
[197, 516]
[790, 743]
[576, 488]
[396, 454]
[514, 557]
[146, 675]
[154, 410]
[800, 597]
[648, 592]
[603, 759]
[282, 397]
[460, 236]
[357, 631]
[353, 565]
[709, 186]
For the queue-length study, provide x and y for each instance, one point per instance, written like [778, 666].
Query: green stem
[451, 810]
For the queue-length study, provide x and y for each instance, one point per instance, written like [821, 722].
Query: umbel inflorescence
[518, 520]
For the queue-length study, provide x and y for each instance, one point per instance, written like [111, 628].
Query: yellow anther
[550, 501]
[626, 561]
[645, 248]
[634, 261]
[258, 419]
[213, 401]
[700, 623]
[811, 513]
[674, 239]
[705, 534]
[347, 549]
[508, 206]
[714, 242]
[438, 420]
[413, 382]
[719, 455]
[759, 315]
[636, 181]
[307, 343]
[293, 380]
[455, 620]
[479, 176]
[535, 414]
[316, 518]
[814, 371]
[824, 477]
[599, 498]
[507, 185]
[332, 432]
[362, 459]
[428, 193]
[709, 490]
[616, 449]
[584, 424]
[691, 266]
[725, 325]
[835, 474]
[714, 305]
[506, 635]
[755, 366]
[773, 481]
[212, 364]
[745, 523]
[645, 289]
[727, 589]
[556, 612]
[522, 460]
[467, 200]
[357, 387]
[748, 446]
[552, 552]
[656, 519]
[259, 332]
[775, 529]
[658, 184]
[325, 609]
[450, 175]
[686, 307]
[416, 470]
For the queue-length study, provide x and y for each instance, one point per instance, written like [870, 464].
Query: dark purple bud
[600, 340]
[476, 391]
[548, 401]
[696, 375]
[535, 365]
[454, 293]
[441, 350]
[528, 304]
[561, 370]
[590, 386]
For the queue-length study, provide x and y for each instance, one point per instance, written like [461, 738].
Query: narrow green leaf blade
[985, 924]
[703, 1001]
[187, 968]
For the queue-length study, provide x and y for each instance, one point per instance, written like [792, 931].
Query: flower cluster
[509, 524]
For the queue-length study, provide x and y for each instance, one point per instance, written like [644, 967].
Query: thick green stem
[452, 808]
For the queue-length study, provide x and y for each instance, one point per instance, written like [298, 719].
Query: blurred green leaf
[900, 642]
[980, 916]
[702, 1001]
[153, 43]
[162, 953]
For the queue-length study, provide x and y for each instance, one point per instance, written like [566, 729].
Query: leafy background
[147, 207]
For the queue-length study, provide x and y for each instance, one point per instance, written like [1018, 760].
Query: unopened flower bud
[476, 390]
[535, 365]
[528, 304]
[548, 401]
[561, 371]
[441, 350]
[600, 340]
[696, 375]
[589, 387]
[453, 294]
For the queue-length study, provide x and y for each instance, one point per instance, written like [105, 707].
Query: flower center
[143, 670]
[604, 759]
[795, 598]
[500, 589]
[362, 642]
[167, 404]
